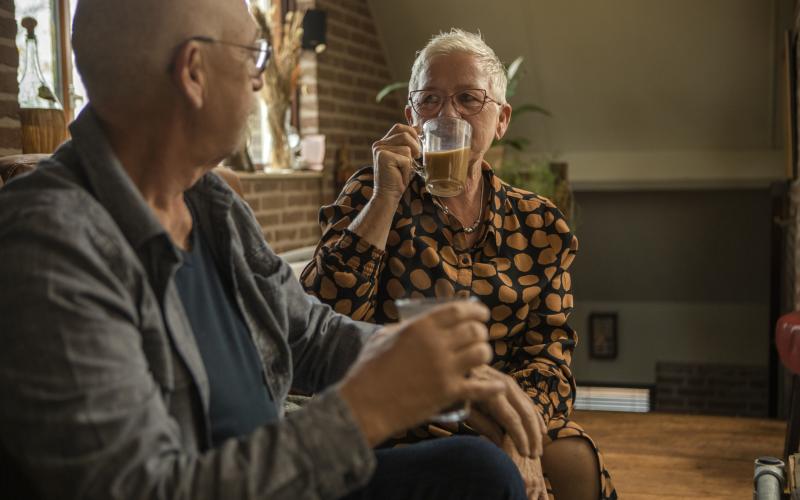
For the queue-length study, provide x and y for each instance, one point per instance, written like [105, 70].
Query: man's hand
[529, 468]
[392, 159]
[510, 412]
[416, 368]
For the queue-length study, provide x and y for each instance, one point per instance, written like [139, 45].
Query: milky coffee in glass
[445, 155]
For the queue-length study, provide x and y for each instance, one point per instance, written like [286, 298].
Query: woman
[387, 238]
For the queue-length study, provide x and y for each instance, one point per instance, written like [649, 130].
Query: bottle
[43, 121]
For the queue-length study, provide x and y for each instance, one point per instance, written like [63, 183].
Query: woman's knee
[572, 464]
[575, 451]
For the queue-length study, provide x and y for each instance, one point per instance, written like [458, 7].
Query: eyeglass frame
[486, 99]
[265, 50]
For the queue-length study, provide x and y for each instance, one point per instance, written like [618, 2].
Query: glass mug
[445, 155]
[409, 308]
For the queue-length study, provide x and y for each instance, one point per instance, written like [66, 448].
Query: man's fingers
[472, 356]
[479, 390]
[459, 311]
[468, 334]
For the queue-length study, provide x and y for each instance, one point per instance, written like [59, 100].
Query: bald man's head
[123, 48]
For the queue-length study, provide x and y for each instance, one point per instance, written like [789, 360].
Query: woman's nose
[449, 109]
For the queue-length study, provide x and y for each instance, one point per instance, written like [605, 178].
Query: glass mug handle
[416, 163]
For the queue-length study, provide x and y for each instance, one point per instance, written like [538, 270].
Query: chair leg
[793, 420]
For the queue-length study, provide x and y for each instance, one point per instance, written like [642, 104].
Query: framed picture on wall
[603, 335]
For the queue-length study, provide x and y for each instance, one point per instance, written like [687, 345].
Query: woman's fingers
[529, 414]
[402, 137]
[485, 425]
[403, 151]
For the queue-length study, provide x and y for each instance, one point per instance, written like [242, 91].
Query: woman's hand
[393, 161]
[509, 413]
[529, 468]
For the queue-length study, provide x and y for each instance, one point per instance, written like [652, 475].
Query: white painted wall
[652, 331]
[696, 78]
[687, 273]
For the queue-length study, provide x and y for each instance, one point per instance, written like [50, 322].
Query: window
[52, 33]
[260, 140]
[56, 61]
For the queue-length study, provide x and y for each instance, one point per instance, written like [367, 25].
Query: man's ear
[502, 121]
[189, 73]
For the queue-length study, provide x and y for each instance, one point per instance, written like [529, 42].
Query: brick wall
[714, 389]
[337, 99]
[10, 135]
[340, 100]
[286, 206]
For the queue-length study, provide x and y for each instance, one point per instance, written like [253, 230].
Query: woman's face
[452, 73]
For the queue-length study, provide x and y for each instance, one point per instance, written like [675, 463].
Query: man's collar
[114, 189]
[110, 183]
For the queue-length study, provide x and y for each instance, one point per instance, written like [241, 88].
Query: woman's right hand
[393, 161]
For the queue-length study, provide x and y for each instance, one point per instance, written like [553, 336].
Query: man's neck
[162, 169]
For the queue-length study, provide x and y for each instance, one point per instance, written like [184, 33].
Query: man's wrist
[367, 415]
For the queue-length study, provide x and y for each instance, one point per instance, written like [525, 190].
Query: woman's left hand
[530, 469]
[510, 413]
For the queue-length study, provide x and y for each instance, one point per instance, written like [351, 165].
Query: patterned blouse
[518, 267]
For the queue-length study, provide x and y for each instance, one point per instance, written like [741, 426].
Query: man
[150, 335]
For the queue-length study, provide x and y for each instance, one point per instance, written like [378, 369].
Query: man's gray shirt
[103, 392]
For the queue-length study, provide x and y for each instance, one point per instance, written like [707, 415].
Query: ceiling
[622, 75]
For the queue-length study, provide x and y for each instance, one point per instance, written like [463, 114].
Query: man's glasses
[261, 51]
[428, 103]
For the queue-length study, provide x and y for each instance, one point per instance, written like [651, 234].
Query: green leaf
[513, 75]
[530, 108]
[513, 68]
[392, 87]
[518, 143]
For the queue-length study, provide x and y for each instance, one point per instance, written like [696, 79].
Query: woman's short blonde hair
[457, 40]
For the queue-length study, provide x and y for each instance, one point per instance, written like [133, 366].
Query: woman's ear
[502, 121]
[189, 73]
[409, 115]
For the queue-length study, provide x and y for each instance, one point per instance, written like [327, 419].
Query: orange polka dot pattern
[518, 268]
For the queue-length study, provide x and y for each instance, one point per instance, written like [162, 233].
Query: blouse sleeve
[542, 364]
[345, 268]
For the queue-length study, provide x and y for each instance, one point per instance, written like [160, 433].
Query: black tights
[572, 468]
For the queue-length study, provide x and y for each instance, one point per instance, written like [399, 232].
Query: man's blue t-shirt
[239, 399]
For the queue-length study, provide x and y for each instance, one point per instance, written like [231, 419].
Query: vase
[280, 155]
[43, 130]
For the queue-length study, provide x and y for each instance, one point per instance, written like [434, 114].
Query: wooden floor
[670, 456]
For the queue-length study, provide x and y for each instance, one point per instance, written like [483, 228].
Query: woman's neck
[468, 205]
